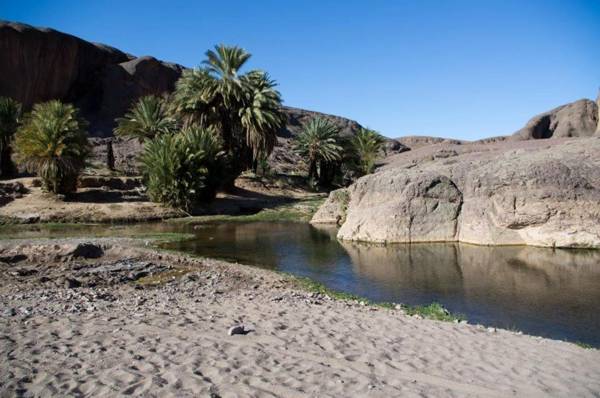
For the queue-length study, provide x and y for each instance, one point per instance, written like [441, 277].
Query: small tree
[183, 169]
[146, 119]
[319, 145]
[10, 115]
[366, 145]
[52, 142]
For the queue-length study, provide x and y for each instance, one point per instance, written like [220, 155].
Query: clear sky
[463, 69]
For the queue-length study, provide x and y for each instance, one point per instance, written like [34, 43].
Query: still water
[545, 292]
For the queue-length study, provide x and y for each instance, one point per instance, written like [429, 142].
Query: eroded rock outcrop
[333, 211]
[576, 119]
[544, 193]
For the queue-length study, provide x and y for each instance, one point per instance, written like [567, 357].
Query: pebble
[241, 329]
[237, 329]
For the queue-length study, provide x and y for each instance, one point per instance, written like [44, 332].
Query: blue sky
[463, 69]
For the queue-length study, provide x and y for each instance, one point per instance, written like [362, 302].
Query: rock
[87, 250]
[577, 119]
[13, 258]
[418, 141]
[333, 211]
[71, 283]
[40, 64]
[394, 147]
[10, 191]
[543, 193]
[240, 329]
[9, 312]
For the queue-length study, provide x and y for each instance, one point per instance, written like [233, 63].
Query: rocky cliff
[537, 192]
[42, 64]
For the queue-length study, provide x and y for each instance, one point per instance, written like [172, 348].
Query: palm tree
[182, 169]
[319, 143]
[366, 145]
[52, 142]
[244, 107]
[147, 118]
[10, 114]
[261, 116]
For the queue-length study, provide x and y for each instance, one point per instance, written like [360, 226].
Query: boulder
[542, 193]
[333, 211]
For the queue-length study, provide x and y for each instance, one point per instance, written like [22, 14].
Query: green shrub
[183, 169]
[52, 142]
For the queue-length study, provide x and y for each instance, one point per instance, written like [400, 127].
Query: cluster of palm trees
[218, 122]
[330, 156]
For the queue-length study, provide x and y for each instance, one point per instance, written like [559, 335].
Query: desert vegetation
[146, 119]
[183, 169]
[219, 121]
[245, 108]
[333, 158]
[366, 146]
[52, 142]
[319, 144]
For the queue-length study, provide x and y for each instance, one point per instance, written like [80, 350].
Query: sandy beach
[99, 319]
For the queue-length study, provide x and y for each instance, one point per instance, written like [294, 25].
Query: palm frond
[147, 118]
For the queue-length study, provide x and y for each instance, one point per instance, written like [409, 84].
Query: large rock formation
[42, 64]
[576, 119]
[544, 193]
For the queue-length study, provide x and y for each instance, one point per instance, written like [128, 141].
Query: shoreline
[118, 335]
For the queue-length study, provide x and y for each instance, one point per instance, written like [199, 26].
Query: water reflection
[554, 293]
[541, 291]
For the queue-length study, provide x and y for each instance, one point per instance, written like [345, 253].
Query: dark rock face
[42, 64]
[576, 119]
[124, 156]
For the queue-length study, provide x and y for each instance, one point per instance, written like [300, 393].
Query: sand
[117, 335]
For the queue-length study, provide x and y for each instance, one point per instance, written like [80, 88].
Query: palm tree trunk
[312, 170]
